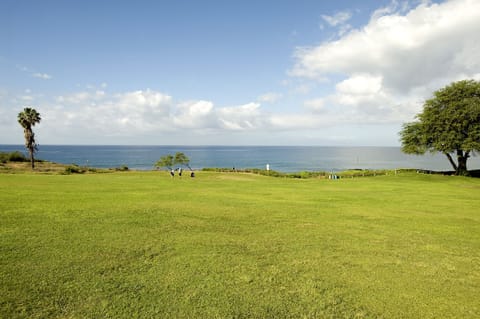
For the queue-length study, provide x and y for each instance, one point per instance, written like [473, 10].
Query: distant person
[192, 174]
[172, 173]
[180, 172]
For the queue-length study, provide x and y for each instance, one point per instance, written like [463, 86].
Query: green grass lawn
[229, 245]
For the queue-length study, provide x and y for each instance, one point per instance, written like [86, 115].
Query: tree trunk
[30, 144]
[462, 162]
[32, 159]
[450, 159]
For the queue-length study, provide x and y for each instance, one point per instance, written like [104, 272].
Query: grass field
[227, 245]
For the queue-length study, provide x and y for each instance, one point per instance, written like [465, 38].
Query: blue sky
[229, 72]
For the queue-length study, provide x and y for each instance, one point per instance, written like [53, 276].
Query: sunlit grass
[230, 245]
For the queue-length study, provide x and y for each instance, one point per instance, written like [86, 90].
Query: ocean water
[279, 158]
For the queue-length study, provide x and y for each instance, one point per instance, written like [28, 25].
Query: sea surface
[279, 158]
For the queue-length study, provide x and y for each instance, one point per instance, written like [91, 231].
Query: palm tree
[27, 119]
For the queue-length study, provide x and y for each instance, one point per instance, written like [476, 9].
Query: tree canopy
[165, 161]
[182, 159]
[449, 124]
[27, 119]
[169, 161]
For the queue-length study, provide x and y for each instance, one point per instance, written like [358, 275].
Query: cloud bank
[388, 67]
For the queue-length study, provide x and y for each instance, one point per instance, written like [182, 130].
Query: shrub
[74, 169]
[15, 156]
[3, 157]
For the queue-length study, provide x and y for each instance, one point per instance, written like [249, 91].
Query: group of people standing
[180, 171]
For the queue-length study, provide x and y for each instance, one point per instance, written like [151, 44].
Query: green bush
[15, 156]
[3, 157]
[74, 169]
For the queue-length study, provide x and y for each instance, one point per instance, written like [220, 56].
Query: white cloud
[302, 89]
[363, 99]
[430, 41]
[78, 98]
[147, 99]
[396, 60]
[337, 19]
[360, 84]
[195, 114]
[395, 7]
[98, 113]
[33, 73]
[43, 76]
[344, 29]
[270, 97]
[142, 110]
[241, 117]
[297, 121]
[149, 116]
[315, 105]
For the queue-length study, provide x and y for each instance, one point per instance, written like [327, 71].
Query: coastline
[286, 159]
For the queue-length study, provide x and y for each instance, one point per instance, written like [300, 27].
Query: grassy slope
[139, 244]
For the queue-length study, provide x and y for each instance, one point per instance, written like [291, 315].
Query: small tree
[449, 124]
[27, 119]
[182, 159]
[165, 161]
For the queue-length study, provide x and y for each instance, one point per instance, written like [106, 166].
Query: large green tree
[449, 124]
[27, 119]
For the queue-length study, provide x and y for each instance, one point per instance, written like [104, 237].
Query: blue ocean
[279, 158]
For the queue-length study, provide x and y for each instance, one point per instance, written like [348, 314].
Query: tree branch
[450, 159]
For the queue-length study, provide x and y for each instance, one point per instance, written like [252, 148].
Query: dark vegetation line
[12, 157]
[336, 175]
